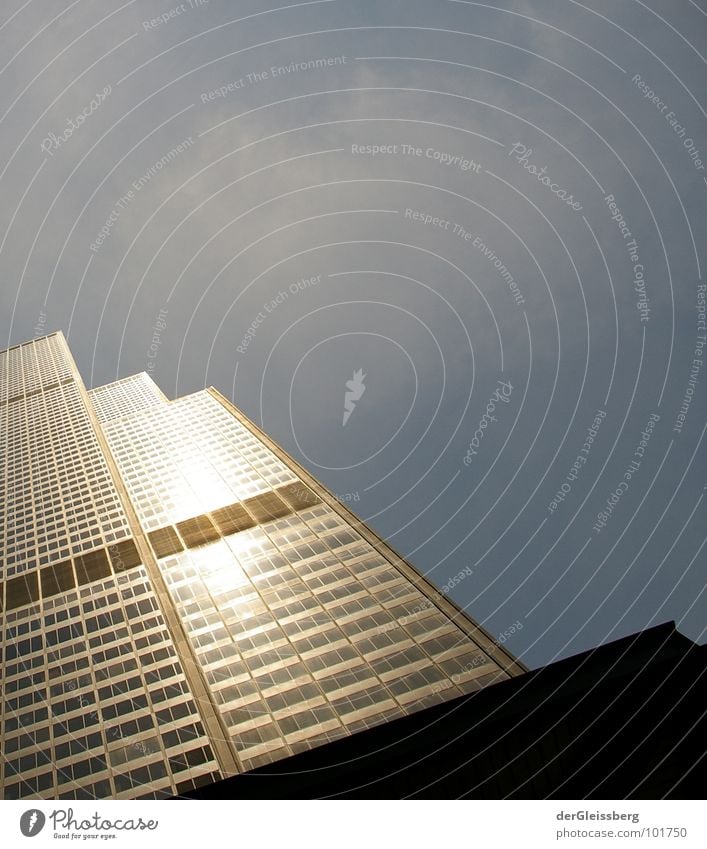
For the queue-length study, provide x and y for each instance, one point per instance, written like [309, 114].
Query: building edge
[508, 662]
[215, 729]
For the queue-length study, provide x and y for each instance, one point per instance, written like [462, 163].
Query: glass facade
[95, 701]
[207, 607]
[57, 496]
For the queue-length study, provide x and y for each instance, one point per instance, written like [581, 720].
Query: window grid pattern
[57, 498]
[126, 397]
[190, 457]
[95, 703]
[32, 367]
[306, 633]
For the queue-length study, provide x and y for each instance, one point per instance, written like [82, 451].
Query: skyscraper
[182, 602]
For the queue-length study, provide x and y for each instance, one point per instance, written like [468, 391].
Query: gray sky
[443, 195]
